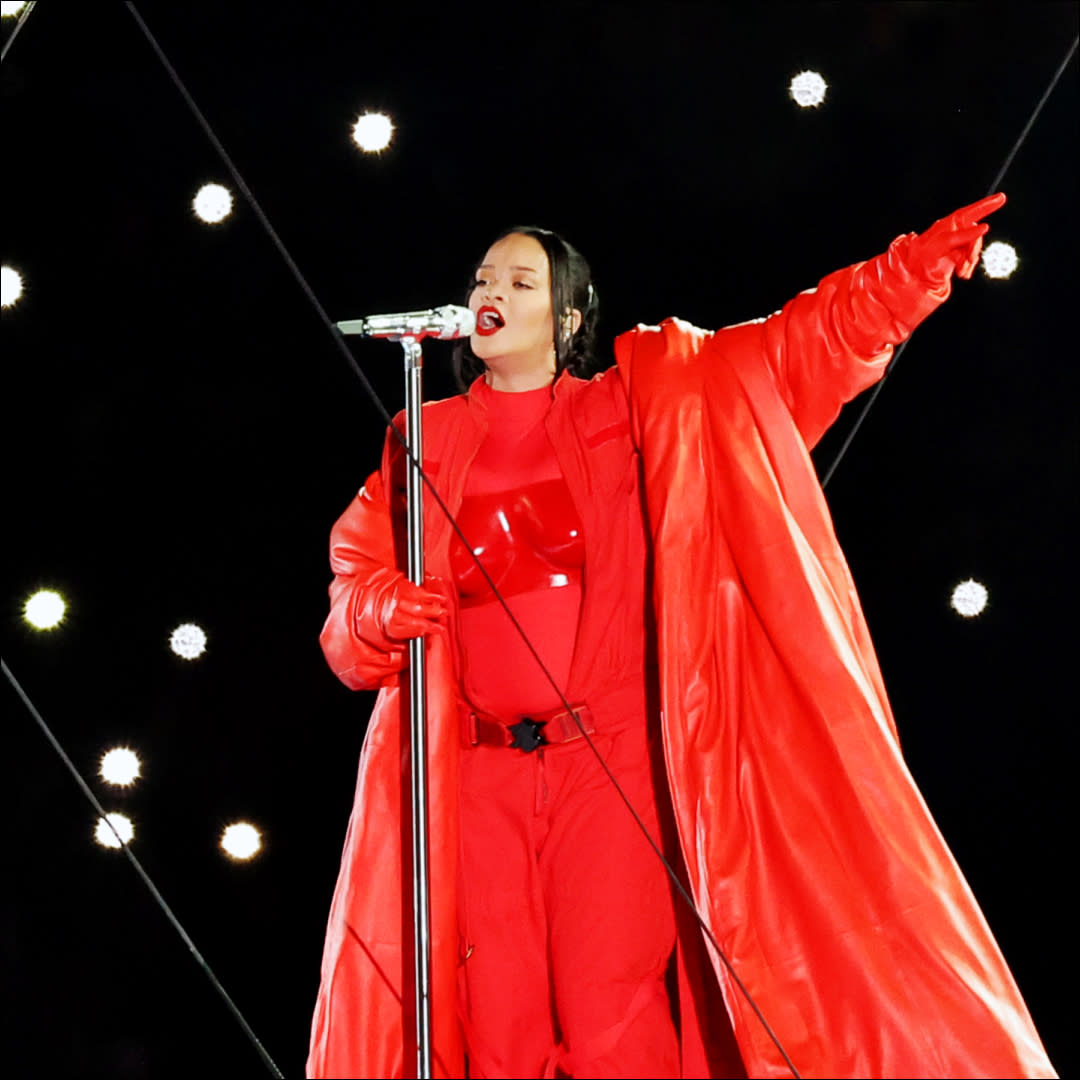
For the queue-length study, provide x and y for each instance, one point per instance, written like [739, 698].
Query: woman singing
[658, 533]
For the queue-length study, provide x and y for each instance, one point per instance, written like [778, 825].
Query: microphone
[444, 323]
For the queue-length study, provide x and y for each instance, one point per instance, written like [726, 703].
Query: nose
[493, 290]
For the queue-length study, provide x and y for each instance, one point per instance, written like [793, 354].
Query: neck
[518, 382]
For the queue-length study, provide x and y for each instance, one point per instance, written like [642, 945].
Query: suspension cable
[268, 1061]
[23, 16]
[995, 185]
[385, 414]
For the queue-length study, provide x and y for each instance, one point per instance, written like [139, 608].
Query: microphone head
[458, 322]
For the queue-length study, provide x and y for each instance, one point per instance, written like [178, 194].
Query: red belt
[528, 732]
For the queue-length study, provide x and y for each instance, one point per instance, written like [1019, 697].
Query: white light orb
[120, 766]
[11, 7]
[213, 203]
[45, 609]
[241, 841]
[999, 260]
[106, 837]
[188, 641]
[11, 285]
[969, 598]
[808, 89]
[372, 132]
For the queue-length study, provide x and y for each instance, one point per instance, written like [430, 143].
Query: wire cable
[384, 412]
[994, 186]
[15, 32]
[268, 1061]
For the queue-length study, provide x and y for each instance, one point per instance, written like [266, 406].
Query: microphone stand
[414, 492]
[409, 328]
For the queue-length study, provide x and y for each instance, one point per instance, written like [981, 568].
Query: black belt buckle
[527, 734]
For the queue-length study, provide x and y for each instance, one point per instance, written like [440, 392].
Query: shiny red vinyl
[529, 538]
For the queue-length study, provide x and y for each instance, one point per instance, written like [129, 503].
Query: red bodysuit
[566, 929]
[518, 515]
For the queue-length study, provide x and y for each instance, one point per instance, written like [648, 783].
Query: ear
[575, 321]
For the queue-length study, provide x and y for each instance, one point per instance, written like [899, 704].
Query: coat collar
[564, 384]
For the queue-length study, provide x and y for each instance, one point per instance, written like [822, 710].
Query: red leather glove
[399, 609]
[410, 611]
[953, 244]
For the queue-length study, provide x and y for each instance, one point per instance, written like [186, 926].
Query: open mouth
[488, 320]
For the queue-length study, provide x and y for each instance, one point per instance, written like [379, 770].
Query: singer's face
[512, 299]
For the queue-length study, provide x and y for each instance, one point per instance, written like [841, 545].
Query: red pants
[567, 922]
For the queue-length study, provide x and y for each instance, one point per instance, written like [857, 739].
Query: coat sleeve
[830, 343]
[362, 557]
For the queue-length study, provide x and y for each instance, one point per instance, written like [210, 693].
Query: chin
[480, 346]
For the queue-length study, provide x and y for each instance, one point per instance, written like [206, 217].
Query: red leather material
[809, 850]
[954, 243]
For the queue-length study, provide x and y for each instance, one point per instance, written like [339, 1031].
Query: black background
[181, 430]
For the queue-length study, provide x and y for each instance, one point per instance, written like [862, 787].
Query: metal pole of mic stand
[414, 364]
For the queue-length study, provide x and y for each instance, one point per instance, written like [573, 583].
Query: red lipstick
[488, 321]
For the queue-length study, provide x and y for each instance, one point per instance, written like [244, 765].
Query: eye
[479, 281]
[522, 285]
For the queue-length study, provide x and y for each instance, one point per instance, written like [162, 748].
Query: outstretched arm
[830, 343]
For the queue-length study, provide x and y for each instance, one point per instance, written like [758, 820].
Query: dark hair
[571, 287]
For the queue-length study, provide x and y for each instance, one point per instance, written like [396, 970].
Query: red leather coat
[810, 852]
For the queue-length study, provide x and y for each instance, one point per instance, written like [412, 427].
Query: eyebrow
[489, 266]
